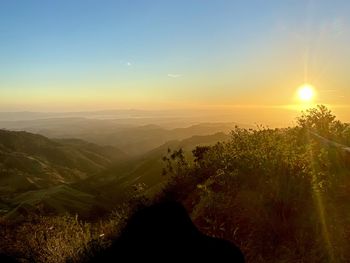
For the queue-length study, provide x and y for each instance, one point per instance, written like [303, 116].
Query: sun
[306, 93]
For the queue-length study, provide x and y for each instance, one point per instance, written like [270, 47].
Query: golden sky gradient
[248, 59]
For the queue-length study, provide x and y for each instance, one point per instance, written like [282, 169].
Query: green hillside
[56, 200]
[55, 176]
[118, 181]
[29, 161]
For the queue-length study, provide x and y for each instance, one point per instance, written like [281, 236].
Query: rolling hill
[131, 136]
[57, 176]
[117, 182]
[55, 200]
[30, 161]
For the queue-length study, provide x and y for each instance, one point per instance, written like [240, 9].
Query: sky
[72, 55]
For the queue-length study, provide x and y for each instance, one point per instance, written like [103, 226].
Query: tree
[320, 120]
[175, 162]
[199, 152]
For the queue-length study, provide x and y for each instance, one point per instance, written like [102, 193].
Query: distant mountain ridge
[32, 115]
[132, 139]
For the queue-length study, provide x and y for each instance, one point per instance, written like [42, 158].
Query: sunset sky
[186, 54]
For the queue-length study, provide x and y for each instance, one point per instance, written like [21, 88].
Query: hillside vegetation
[119, 180]
[29, 161]
[281, 195]
[36, 175]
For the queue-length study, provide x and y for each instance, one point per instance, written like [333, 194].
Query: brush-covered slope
[30, 161]
[55, 200]
[119, 180]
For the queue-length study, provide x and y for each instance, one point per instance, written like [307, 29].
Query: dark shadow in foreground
[165, 233]
[7, 259]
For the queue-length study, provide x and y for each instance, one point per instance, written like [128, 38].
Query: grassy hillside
[118, 181]
[44, 211]
[29, 161]
[56, 200]
[45, 176]
[35, 174]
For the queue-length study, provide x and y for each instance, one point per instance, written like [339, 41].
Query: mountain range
[39, 175]
[131, 138]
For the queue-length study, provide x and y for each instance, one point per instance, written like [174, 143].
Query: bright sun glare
[306, 93]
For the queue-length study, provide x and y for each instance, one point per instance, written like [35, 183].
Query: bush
[58, 239]
[278, 193]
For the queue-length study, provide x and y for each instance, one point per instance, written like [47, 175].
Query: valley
[90, 177]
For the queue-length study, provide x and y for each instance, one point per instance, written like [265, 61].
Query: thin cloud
[174, 76]
[328, 90]
[128, 64]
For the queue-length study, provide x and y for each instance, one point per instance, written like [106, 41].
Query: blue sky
[117, 54]
[60, 32]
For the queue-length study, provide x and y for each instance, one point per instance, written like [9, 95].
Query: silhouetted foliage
[199, 152]
[165, 233]
[278, 193]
